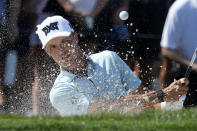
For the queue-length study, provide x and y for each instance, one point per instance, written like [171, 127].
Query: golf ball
[124, 15]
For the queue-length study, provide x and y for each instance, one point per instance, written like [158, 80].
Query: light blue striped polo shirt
[108, 76]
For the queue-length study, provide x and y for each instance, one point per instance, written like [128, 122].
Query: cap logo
[48, 28]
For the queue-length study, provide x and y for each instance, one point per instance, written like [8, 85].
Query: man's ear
[45, 49]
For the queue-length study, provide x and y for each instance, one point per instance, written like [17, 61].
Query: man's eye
[53, 46]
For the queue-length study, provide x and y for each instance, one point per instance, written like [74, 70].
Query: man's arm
[178, 57]
[66, 5]
[67, 100]
[129, 103]
[137, 102]
[172, 33]
[175, 55]
[172, 36]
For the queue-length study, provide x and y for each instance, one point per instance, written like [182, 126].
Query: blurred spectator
[35, 54]
[178, 45]
[38, 61]
[9, 33]
[3, 14]
[42, 76]
[21, 20]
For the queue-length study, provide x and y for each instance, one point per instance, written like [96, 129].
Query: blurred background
[27, 73]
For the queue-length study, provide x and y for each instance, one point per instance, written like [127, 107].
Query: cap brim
[58, 34]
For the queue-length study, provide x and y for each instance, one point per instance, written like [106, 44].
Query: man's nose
[61, 49]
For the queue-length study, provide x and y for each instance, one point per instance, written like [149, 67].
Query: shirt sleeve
[128, 77]
[68, 101]
[173, 27]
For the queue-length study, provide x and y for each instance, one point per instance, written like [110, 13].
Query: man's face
[64, 51]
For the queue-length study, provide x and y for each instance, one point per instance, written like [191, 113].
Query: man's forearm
[175, 55]
[101, 104]
[125, 104]
[65, 4]
[139, 102]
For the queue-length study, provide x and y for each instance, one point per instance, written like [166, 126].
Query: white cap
[52, 27]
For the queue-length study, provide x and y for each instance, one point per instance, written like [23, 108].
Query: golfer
[95, 83]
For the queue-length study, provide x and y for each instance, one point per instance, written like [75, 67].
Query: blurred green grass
[151, 120]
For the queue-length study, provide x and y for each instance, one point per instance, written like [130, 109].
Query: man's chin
[64, 66]
[67, 66]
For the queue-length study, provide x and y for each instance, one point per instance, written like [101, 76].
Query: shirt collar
[88, 57]
[67, 75]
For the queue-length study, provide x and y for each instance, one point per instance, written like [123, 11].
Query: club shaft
[191, 64]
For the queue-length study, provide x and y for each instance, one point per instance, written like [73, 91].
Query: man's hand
[175, 90]
[171, 93]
